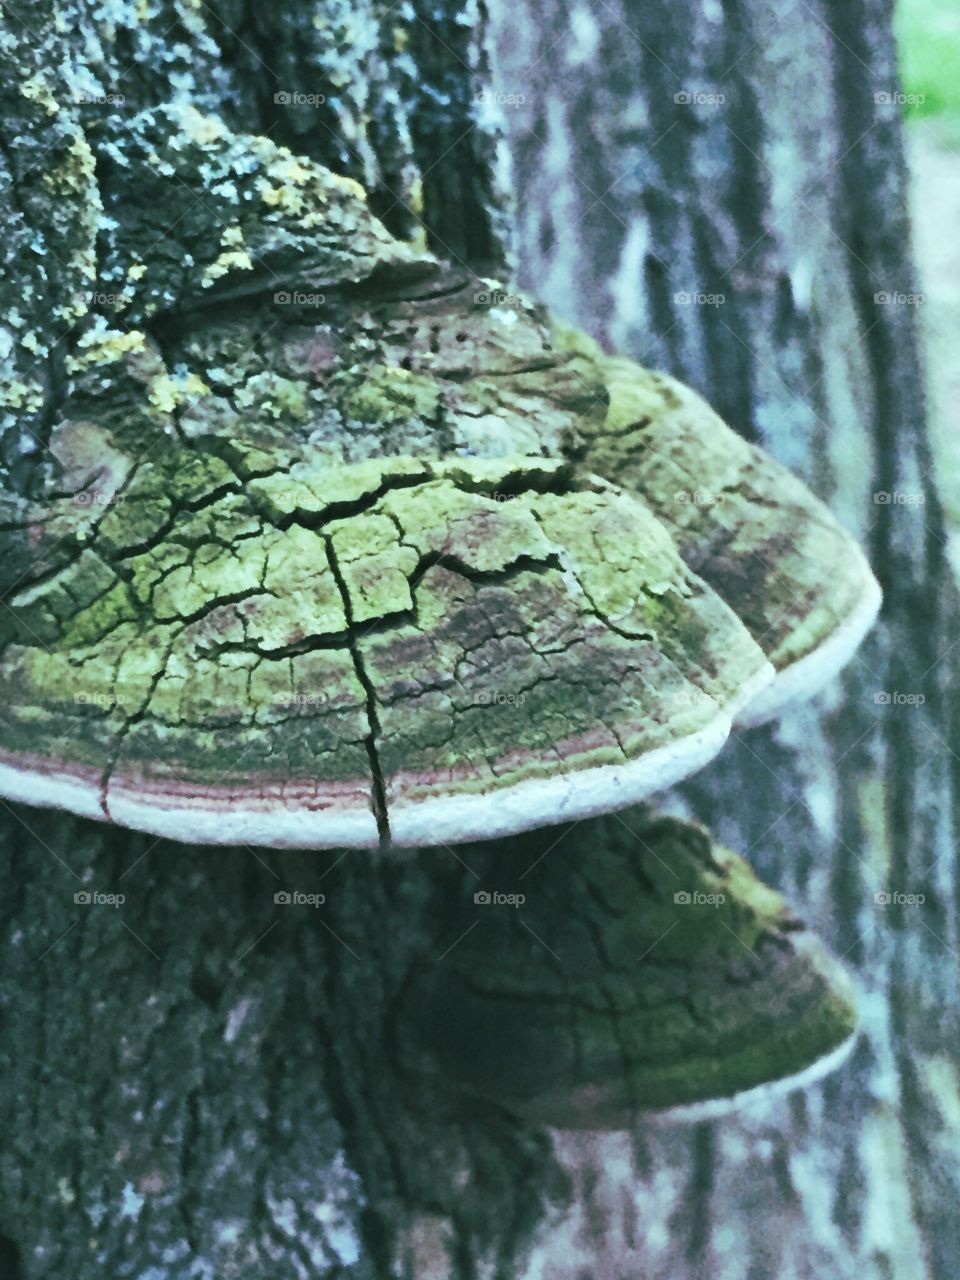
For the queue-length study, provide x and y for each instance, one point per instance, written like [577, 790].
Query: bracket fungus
[677, 984]
[390, 562]
[334, 545]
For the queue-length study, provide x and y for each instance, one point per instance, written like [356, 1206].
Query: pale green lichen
[388, 394]
[100, 346]
[168, 393]
[275, 396]
[21, 396]
[229, 260]
[36, 89]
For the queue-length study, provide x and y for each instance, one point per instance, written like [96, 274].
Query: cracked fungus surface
[344, 643]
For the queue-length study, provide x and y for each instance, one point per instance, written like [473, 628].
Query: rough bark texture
[203, 1080]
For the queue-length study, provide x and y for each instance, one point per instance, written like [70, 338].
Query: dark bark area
[201, 1082]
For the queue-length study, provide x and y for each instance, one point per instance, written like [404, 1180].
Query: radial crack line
[379, 792]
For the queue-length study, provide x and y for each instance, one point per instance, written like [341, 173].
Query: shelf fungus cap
[762, 539]
[640, 972]
[357, 653]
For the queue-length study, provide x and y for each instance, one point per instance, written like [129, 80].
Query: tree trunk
[200, 1081]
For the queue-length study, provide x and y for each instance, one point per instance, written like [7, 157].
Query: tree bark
[203, 1082]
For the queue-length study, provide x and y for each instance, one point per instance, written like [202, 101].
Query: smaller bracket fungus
[750, 528]
[640, 971]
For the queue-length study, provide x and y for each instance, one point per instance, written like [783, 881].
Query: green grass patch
[928, 36]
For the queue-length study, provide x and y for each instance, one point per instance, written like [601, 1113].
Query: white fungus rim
[757, 1095]
[801, 680]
